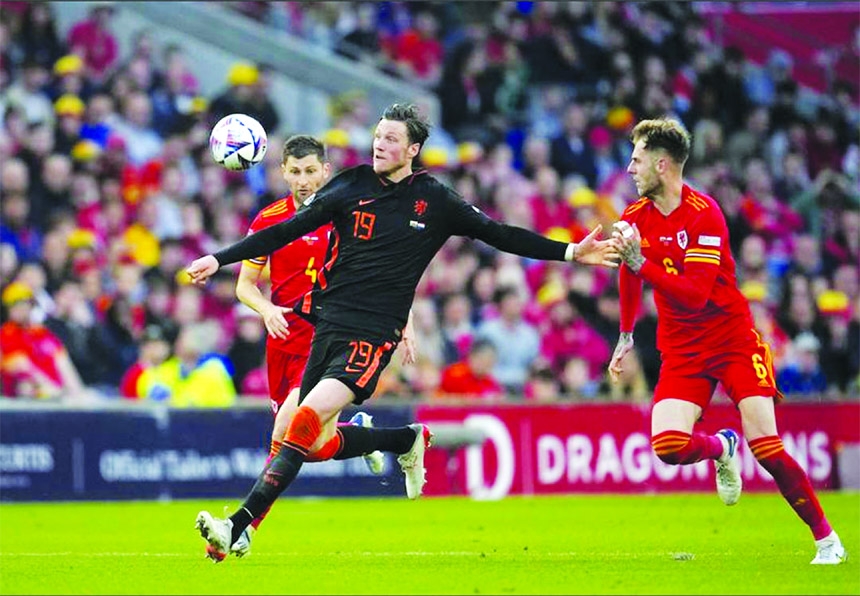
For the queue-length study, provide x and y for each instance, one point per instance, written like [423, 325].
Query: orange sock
[327, 451]
[304, 430]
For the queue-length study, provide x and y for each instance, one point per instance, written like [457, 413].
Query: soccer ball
[238, 142]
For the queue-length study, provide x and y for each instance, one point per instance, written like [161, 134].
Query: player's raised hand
[628, 242]
[202, 269]
[275, 321]
[591, 251]
[622, 348]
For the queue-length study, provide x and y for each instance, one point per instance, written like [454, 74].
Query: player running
[388, 223]
[676, 239]
[293, 269]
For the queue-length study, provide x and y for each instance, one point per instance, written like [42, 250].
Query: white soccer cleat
[729, 481]
[242, 546]
[412, 462]
[375, 460]
[829, 551]
[217, 532]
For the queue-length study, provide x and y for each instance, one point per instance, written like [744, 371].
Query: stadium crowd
[108, 192]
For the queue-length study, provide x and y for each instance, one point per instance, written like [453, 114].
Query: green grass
[546, 545]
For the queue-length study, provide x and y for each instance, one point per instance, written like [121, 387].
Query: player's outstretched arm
[591, 251]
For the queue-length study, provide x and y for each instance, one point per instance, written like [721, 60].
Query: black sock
[276, 477]
[358, 440]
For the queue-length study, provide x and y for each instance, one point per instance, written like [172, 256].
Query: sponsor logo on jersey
[363, 202]
[645, 243]
[682, 238]
[666, 239]
[709, 240]
[416, 224]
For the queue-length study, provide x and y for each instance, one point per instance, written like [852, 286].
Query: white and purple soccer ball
[238, 142]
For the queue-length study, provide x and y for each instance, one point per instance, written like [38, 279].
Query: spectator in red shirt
[472, 377]
[417, 51]
[34, 361]
[92, 40]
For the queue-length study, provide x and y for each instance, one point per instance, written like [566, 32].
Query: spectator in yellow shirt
[193, 376]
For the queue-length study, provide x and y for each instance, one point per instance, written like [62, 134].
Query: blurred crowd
[108, 192]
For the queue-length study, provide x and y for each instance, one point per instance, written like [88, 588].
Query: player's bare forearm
[628, 243]
[249, 294]
[247, 290]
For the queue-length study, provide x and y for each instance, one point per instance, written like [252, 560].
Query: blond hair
[666, 134]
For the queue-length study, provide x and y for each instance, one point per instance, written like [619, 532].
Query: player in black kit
[388, 223]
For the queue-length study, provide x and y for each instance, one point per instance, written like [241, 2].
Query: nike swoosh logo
[365, 202]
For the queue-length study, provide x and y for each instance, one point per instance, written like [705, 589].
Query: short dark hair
[666, 134]
[300, 146]
[417, 128]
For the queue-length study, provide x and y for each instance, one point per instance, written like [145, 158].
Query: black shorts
[351, 356]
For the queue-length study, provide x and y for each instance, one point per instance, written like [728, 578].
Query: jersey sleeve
[257, 225]
[630, 297]
[708, 235]
[468, 220]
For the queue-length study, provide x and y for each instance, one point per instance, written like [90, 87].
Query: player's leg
[681, 395]
[673, 419]
[759, 424]
[672, 435]
[285, 374]
[322, 405]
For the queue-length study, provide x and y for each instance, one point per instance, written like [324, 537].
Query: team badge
[420, 207]
[682, 239]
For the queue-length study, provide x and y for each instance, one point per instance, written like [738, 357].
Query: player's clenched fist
[202, 269]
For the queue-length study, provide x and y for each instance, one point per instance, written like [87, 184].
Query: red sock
[793, 483]
[676, 447]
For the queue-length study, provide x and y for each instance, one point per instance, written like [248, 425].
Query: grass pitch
[668, 544]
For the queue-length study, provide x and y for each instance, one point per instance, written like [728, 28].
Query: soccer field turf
[668, 544]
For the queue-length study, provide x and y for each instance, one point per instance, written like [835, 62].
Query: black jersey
[384, 235]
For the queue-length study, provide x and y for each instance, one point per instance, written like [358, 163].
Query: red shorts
[744, 371]
[285, 374]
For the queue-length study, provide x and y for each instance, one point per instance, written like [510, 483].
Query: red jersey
[689, 263]
[458, 379]
[37, 342]
[293, 272]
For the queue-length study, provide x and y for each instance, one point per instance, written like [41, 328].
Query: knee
[670, 449]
